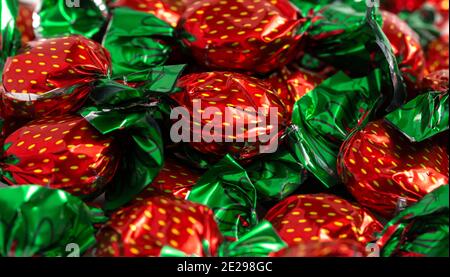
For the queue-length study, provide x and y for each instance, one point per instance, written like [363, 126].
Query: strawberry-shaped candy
[245, 115]
[379, 166]
[436, 81]
[340, 248]
[437, 54]
[168, 10]
[256, 36]
[144, 228]
[174, 178]
[52, 76]
[322, 217]
[63, 152]
[292, 83]
[25, 21]
[407, 49]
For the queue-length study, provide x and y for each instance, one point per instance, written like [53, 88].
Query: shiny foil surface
[38, 221]
[301, 219]
[168, 10]
[380, 166]
[52, 76]
[231, 93]
[292, 83]
[438, 54]
[337, 248]
[25, 22]
[436, 81]
[142, 229]
[175, 179]
[62, 152]
[247, 35]
[407, 49]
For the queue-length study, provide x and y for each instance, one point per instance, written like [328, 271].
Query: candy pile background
[361, 161]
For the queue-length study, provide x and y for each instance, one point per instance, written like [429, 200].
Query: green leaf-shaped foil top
[423, 117]
[37, 221]
[136, 41]
[228, 191]
[60, 18]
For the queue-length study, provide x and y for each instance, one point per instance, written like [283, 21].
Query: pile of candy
[227, 128]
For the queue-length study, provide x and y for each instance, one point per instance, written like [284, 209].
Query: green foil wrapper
[227, 190]
[130, 115]
[37, 221]
[423, 117]
[61, 17]
[277, 175]
[135, 41]
[9, 34]
[325, 117]
[420, 230]
[260, 241]
[232, 190]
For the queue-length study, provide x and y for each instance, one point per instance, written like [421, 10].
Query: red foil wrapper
[52, 76]
[25, 22]
[339, 248]
[397, 6]
[322, 218]
[61, 152]
[247, 35]
[144, 228]
[247, 106]
[407, 49]
[292, 83]
[169, 11]
[441, 7]
[438, 55]
[379, 166]
[436, 81]
[174, 178]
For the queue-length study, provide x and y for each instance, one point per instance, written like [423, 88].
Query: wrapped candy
[379, 166]
[420, 230]
[52, 76]
[62, 152]
[132, 115]
[408, 6]
[168, 10]
[9, 33]
[25, 21]
[144, 228]
[407, 49]
[38, 221]
[242, 35]
[367, 88]
[438, 55]
[236, 101]
[321, 218]
[57, 18]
